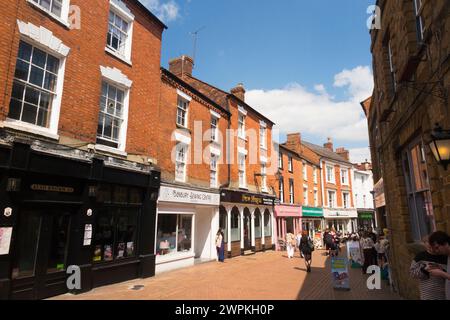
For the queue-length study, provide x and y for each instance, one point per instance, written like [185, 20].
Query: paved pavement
[263, 276]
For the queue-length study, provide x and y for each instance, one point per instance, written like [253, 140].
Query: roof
[193, 90]
[148, 12]
[301, 156]
[325, 153]
[366, 105]
[219, 95]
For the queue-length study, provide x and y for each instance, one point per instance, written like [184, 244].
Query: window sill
[242, 138]
[179, 126]
[171, 257]
[263, 148]
[29, 128]
[110, 150]
[52, 15]
[243, 188]
[118, 56]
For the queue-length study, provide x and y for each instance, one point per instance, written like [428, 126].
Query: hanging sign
[339, 272]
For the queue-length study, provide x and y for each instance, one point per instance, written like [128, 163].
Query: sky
[306, 65]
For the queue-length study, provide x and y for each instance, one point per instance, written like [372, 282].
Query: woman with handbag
[306, 247]
[290, 244]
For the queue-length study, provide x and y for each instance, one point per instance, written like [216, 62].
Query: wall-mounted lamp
[440, 145]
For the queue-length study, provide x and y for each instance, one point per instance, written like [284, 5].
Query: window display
[174, 234]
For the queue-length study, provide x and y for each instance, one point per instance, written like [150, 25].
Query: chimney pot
[329, 144]
[181, 66]
[239, 91]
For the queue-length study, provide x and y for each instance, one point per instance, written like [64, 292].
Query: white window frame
[315, 175]
[180, 160]
[391, 66]
[364, 201]
[116, 78]
[214, 129]
[280, 160]
[291, 191]
[305, 195]
[119, 8]
[281, 189]
[65, 9]
[263, 177]
[263, 137]
[344, 177]
[316, 198]
[346, 200]
[241, 124]
[333, 178]
[44, 40]
[180, 109]
[290, 164]
[214, 171]
[331, 204]
[242, 170]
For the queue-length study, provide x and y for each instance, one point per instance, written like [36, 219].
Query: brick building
[337, 181]
[410, 63]
[192, 144]
[298, 189]
[247, 199]
[77, 115]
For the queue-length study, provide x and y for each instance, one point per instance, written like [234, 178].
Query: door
[40, 255]
[247, 232]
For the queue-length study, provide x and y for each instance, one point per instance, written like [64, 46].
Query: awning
[288, 211]
[312, 212]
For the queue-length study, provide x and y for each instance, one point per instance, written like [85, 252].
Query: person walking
[368, 246]
[290, 244]
[426, 267]
[381, 248]
[298, 237]
[306, 247]
[440, 244]
[220, 245]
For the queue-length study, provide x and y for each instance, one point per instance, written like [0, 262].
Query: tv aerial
[195, 36]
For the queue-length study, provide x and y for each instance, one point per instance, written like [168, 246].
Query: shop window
[115, 233]
[258, 225]
[235, 226]
[267, 225]
[174, 234]
[418, 190]
[223, 223]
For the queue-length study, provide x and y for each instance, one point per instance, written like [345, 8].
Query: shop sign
[380, 200]
[288, 211]
[239, 197]
[340, 213]
[43, 187]
[312, 212]
[365, 215]
[168, 194]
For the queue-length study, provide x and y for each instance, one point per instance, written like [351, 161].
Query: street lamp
[440, 145]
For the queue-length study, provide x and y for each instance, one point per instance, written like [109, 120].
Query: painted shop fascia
[71, 207]
[187, 221]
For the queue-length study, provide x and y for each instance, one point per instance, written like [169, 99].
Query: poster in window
[5, 240]
[130, 248]
[121, 250]
[107, 255]
[98, 253]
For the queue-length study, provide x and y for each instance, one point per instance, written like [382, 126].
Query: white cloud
[296, 109]
[166, 11]
[359, 155]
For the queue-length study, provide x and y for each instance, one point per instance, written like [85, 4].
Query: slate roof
[325, 153]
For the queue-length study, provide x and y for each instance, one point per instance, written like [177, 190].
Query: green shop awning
[365, 215]
[312, 212]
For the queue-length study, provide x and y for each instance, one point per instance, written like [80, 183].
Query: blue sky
[299, 60]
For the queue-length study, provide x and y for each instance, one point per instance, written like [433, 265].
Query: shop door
[39, 269]
[247, 232]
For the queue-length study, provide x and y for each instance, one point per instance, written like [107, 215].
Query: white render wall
[361, 189]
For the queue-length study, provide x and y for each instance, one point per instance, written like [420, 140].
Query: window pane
[36, 76]
[46, 4]
[104, 236]
[235, 227]
[120, 194]
[58, 245]
[43, 118]
[39, 57]
[24, 51]
[52, 64]
[17, 91]
[184, 233]
[29, 113]
[167, 234]
[56, 9]
[22, 69]
[15, 108]
[32, 96]
[126, 233]
[50, 81]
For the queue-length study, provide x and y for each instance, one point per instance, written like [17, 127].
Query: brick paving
[263, 276]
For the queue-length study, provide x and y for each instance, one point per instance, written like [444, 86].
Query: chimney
[294, 141]
[239, 91]
[181, 66]
[329, 144]
[343, 153]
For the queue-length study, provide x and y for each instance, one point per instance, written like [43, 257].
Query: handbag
[311, 245]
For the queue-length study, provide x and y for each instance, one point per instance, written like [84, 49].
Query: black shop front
[64, 207]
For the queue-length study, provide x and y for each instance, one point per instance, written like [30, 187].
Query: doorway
[41, 252]
[247, 230]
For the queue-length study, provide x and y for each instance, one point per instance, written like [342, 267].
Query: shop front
[313, 222]
[187, 223]
[341, 220]
[288, 219]
[66, 207]
[366, 219]
[248, 222]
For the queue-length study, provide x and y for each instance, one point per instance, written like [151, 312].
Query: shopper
[440, 244]
[368, 246]
[425, 268]
[220, 245]
[306, 247]
[290, 244]
[381, 248]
